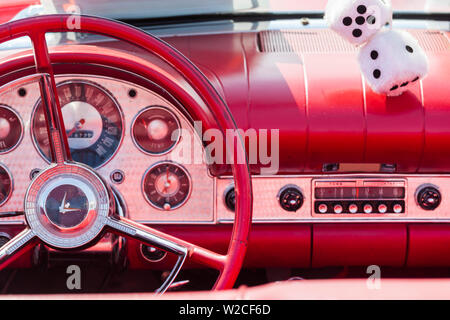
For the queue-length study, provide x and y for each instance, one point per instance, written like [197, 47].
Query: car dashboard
[361, 179]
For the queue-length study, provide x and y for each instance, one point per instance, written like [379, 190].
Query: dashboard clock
[166, 185]
[93, 121]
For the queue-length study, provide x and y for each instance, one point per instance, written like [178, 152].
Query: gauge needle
[167, 183]
[63, 208]
[78, 125]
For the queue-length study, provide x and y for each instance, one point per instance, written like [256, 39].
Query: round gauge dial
[93, 121]
[66, 206]
[155, 130]
[11, 129]
[166, 185]
[6, 185]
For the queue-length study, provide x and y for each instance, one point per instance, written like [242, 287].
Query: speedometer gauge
[93, 121]
[166, 185]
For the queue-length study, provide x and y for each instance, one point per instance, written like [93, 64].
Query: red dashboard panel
[325, 111]
[359, 244]
[429, 245]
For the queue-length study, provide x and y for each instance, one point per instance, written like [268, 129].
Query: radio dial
[429, 198]
[291, 198]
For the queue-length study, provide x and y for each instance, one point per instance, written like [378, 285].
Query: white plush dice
[358, 20]
[392, 62]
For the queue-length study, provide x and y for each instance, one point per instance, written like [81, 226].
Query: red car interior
[335, 134]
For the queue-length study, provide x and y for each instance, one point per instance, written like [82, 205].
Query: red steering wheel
[104, 217]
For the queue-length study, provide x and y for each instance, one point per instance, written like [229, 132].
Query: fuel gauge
[11, 129]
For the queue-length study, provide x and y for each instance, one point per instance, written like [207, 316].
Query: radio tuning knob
[290, 198]
[230, 198]
[429, 198]
[368, 208]
[353, 208]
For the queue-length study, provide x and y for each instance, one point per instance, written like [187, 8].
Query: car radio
[359, 196]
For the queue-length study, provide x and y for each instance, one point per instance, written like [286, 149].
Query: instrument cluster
[132, 136]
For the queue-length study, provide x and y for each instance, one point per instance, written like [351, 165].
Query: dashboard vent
[326, 41]
[308, 41]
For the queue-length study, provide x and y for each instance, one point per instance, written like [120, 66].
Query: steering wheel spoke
[18, 245]
[59, 145]
[183, 249]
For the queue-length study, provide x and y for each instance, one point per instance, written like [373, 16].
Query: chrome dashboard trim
[268, 210]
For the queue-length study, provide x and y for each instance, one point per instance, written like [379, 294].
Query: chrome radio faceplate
[359, 197]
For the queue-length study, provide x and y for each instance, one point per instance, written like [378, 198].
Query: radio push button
[323, 208]
[353, 208]
[338, 208]
[382, 208]
[398, 208]
[368, 208]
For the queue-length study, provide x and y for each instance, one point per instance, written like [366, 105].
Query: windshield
[141, 9]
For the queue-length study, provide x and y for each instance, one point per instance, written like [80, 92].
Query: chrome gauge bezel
[160, 108]
[12, 184]
[106, 92]
[186, 172]
[78, 236]
[22, 128]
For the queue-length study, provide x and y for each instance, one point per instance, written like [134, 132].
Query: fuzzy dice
[392, 61]
[358, 20]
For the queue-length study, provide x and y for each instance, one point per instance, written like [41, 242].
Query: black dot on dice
[394, 88]
[404, 84]
[374, 54]
[361, 9]
[409, 49]
[347, 21]
[360, 20]
[371, 20]
[357, 33]
[376, 73]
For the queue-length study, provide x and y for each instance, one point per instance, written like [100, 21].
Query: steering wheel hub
[67, 205]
